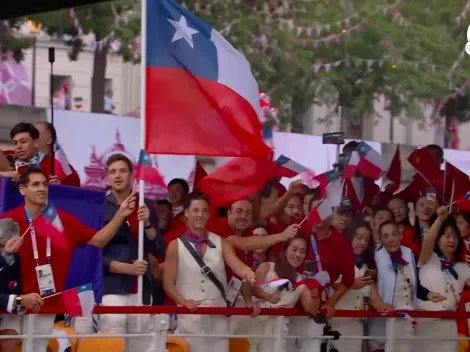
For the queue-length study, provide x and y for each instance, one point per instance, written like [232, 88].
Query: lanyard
[34, 242]
[315, 252]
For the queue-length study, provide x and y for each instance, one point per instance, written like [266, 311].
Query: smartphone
[371, 273]
[431, 194]
[309, 266]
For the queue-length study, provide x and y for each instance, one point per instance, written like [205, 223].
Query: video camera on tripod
[337, 138]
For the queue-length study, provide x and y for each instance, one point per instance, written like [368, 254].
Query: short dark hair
[350, 146]
[50, 127]
[30, 170]
[196, 196]
[24, 127]
[164, 202]
[119, 157]
[385, 223]
[179, 181]
[383, 208]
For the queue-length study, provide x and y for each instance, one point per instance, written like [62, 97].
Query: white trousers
[348, 327]
[205, 325]
[437, 327]
[304, 326]
[42, 325]
[127, 323]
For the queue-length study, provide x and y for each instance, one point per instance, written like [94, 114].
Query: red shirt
[223, 229]
[71, 180]
[276, 226]
[77, 235]
[336, 256]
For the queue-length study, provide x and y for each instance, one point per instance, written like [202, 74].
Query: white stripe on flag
[325, 209]
[64, 163]
[376, 159]
[294, 166]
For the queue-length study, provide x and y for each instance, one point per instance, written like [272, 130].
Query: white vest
[435, 280]
[387, 276]
[386, 284]
[190, 281]
[354, 299]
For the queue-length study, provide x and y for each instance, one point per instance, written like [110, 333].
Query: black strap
[204, 268]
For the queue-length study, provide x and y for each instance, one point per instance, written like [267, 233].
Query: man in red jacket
[44, 264]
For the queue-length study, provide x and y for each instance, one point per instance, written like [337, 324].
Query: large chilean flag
[202, 98]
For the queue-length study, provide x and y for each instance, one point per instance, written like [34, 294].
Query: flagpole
[143, 83]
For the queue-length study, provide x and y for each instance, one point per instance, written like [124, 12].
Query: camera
[325, 345]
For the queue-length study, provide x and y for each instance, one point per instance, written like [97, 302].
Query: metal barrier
[160, 324]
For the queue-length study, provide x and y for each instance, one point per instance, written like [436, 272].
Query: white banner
[90, 139]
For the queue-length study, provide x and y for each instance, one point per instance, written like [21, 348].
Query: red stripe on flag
[209, 118]
[72, 302]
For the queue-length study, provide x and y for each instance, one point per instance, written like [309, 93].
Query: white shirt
[436, 280]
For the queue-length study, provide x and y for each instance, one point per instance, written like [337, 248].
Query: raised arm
[254, 243]
[239, 268]
[427, 247]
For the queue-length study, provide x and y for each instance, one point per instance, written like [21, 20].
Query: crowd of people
[381, 250]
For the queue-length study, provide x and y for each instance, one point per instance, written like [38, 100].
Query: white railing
[159, 324]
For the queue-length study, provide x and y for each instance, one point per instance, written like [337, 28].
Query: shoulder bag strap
[204, 268]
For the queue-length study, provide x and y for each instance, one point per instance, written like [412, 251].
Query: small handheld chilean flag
[145, 170]
[286, 167]
[48, 224]
[61, 167]
[352, 164]
[319, 213]
[79, 301]
[372, 164]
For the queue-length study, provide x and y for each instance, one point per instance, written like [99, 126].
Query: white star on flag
[183, 31]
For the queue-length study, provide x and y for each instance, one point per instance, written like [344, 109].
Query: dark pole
[51, 61]
[33, 90]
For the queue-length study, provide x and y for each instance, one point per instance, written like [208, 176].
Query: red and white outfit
[265, 325]
[351, 300]
[442, 282]
[193, 284]
[399, 288]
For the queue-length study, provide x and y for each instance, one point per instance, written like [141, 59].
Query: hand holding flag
[48, 224]
[79, 301]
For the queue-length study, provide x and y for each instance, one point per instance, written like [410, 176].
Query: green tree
[402, 51]
[111, 23]
[11, 41]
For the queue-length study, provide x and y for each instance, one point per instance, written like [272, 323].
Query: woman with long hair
[364, 291]
[442, 271]
[287, 267]
[413, 238]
